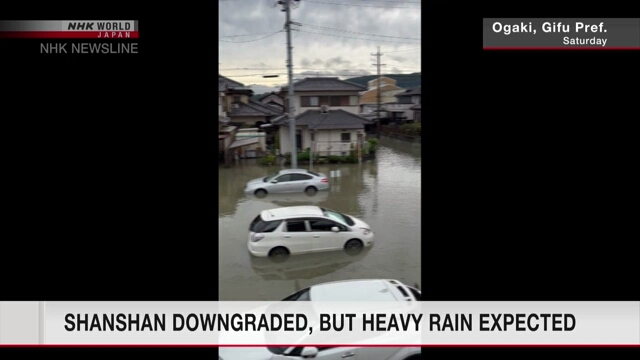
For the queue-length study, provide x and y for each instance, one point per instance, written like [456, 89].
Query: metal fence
[335, 148]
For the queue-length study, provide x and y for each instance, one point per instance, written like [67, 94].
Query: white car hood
[359, 224]
[255, 181]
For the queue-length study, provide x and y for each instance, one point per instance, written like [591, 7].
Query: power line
[361, 33]
[403, 50]
[363, 39]
[371, 6]
[229, 36]
[246, 41]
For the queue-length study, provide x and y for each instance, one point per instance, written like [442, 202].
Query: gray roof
[333, 119]
[224, 82]
[263, 96]
[254, 108]
[325, 84]
[244, 142]
[410, 92]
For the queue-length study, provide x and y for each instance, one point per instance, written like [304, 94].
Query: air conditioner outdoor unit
[324, 109]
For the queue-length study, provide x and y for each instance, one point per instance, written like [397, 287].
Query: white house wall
[323, 140]
[352, 109]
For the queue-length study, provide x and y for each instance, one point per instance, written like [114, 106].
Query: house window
[324, 100]
[340, 101]
[309, 101]
[345, 137]
[236, 98]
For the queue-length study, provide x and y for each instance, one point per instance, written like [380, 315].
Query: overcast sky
[335, 38]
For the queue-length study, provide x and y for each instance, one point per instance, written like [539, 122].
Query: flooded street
[384, 192]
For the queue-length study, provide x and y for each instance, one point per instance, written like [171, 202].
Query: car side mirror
[274, 181]
[335, 229]
[309, 352]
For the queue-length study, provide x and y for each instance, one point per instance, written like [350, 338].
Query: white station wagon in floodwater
[303, 229]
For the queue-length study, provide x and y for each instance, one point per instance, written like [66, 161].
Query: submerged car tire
[260, 193]
[279, 251]
[311, 190]
[353, 244]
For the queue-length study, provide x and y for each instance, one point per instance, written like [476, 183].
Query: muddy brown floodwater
[384, 192]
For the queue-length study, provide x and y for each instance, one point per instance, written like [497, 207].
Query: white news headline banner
[405, 323]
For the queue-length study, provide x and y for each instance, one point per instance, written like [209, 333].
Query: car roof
[290, 211]
[358, 290]
[288, 171]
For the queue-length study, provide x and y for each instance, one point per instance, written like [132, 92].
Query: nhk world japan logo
[69, 29]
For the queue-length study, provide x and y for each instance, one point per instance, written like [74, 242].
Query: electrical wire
[356, 32]
[370, 6]
[230, 36]
[246, 41]
[363, 39]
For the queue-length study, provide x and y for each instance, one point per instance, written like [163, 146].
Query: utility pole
[286, 4]
[378, 65]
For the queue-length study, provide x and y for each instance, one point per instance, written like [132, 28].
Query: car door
[296, 237]
[325, 239]
[300, 182]
[283, 184]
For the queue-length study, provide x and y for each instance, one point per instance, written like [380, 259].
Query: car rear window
[313, 173]
[260, 226]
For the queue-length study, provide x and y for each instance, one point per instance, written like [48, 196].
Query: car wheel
[311, 190]
[260, 193]
[353, 244]
[279, 252]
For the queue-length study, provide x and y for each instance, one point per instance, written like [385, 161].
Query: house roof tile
[254, 108]
[224, 82]
[325, 84]
[410, 92]
[333, 119]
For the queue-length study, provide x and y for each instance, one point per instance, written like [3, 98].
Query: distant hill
[404, 81]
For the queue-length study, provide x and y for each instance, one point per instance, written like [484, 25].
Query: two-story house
[369, 98]
[326, 116]
[241, 109]
[408, 106]
[272, 99]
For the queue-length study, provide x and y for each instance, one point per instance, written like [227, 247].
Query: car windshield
[270, 177]
[302, 295]
[338, 216]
